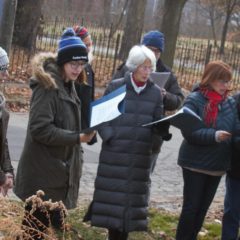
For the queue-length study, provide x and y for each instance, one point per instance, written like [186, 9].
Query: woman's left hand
[7, 185]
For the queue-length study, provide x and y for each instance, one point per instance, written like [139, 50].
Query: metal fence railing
[191, 55]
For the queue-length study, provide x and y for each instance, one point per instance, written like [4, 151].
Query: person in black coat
[172, 93]
[231, 216]
[122, 185]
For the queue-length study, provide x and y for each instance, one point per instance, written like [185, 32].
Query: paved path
[166, 189]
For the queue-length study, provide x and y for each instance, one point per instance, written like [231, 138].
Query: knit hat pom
[81, 31]
[68, 32]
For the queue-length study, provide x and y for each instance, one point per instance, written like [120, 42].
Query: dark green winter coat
[5, 163]
[52, 158]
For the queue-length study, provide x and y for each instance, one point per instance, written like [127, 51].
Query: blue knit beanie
[154, 39]
[71, 48]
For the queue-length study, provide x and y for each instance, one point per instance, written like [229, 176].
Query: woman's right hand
[87, 137]
[221, 135]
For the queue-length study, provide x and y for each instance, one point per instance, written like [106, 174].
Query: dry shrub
[36, 220]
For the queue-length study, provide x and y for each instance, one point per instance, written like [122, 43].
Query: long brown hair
[82, 78]
[215, 70]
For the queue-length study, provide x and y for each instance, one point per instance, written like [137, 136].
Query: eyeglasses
[222, 81]
[75, 65]
[146, 68]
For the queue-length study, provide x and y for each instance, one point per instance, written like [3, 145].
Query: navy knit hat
[71, 48]
[154, 39]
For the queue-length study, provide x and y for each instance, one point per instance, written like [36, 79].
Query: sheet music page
[184, 119]
[159, 78]
[108, 107]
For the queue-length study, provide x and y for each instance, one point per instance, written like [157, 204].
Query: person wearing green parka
[51, 159]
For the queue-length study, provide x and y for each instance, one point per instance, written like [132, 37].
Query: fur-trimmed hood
[45, 70]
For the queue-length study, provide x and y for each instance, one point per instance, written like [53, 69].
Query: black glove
[162, 128]
[93, 140]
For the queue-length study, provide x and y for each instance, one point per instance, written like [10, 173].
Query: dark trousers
[231, 216]
[154, 161]
[117, 235]
[198, 192]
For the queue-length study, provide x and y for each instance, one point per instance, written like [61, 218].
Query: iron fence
[191, 55]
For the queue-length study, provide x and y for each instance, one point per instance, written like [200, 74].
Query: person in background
[172, 93]
[85, 86]
[6, 168]
[122, 184]
[51, 159]
[205, 154]
[83, 33]
[231, 215]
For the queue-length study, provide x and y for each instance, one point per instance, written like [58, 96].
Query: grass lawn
[162, 225]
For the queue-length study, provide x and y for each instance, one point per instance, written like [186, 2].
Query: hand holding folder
[184, 119]
[106, 108]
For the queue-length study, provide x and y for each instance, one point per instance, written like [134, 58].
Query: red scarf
[211, 108]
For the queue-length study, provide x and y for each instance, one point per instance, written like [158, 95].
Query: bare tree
[88, 6]
[235, 20]
[27, 22]
[158, 13]
[67, 7]
[7, 17]
[170, 27]
[106, 12]
[133, 27]
[223, 10]
[210, 10]
[118, 20]
[228, 7]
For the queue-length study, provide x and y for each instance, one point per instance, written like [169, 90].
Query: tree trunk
[27, 23]
[117, 21]
[170, 27]
[212, 17]
[224, 34]
[106, 12]
[229, 9]
[158, 13]
[133, 27]
[7, 17]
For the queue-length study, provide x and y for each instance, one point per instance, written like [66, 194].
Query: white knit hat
[4, 61]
